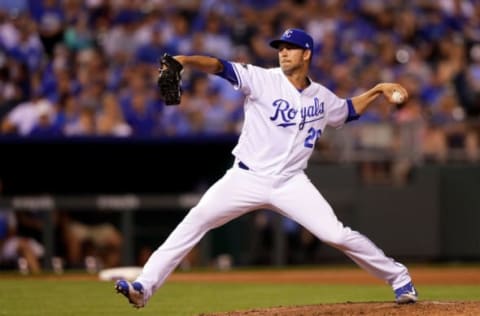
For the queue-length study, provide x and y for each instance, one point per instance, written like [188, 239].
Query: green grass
[65, 297]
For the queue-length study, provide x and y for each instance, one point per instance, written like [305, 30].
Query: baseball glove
[169, 80]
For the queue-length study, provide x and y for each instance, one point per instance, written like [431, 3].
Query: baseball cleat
[132, 291]
[406, 294]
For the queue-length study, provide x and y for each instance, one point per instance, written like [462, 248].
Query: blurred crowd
[79, 239]
[88, 68]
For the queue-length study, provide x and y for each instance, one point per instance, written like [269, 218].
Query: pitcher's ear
[307, 54]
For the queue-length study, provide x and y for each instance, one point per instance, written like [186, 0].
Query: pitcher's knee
[337, 239]
[200, 217]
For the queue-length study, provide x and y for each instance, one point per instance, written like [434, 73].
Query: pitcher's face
[292, 58]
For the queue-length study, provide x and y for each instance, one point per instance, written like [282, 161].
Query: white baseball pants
[240, 191]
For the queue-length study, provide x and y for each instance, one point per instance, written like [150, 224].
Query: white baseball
[397, 97]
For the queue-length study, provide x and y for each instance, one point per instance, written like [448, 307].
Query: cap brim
[276, 43]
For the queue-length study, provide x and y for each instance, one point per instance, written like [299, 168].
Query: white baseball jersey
[281, 123]
[279, 133]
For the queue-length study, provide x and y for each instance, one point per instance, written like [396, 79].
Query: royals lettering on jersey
[286, 114]
[281, 124]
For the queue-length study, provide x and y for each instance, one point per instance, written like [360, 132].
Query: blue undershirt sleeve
[228, 73]
[352, 114]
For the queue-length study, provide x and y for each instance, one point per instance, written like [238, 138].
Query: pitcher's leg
[167, 257]
[224, 201]
[371, 258]
[302, 202]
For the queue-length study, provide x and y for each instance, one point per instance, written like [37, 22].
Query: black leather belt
[243, 166]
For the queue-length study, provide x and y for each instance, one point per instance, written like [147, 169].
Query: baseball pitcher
[285, 113]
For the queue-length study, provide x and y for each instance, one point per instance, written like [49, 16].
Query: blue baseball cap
[295, 37]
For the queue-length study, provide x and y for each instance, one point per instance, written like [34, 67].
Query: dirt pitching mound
[430, 308]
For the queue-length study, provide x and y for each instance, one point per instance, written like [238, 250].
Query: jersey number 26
[313, 135]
